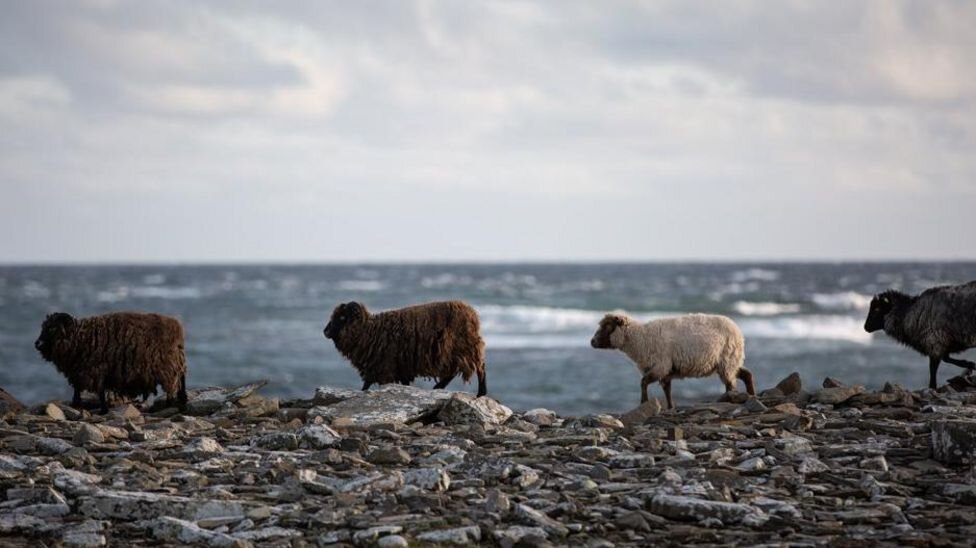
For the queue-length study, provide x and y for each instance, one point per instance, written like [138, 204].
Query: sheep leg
[933, 369]
[966, 364]
[746, 377]
[443, 382]
[181, 395]
[646, 380]
[366, 385]
[76, 398]
[103, 401]
[482, 382]
[666, 385]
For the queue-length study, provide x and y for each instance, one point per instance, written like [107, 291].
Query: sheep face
[343, 316]
[56, 327]
[609, 334]
[880, 307]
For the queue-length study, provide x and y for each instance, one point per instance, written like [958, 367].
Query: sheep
[433, 340]
[938, 322]
[127, 353]
[695, 345]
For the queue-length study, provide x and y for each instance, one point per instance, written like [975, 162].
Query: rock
[133, 505]
[601, 421]
[538, 519]
[202, 448]
[519, 535]
[466, 409]
[460, 535]
[497, 501]
[318, 436]
[127, 411]
[9, 405]
[205, 401]
[278, 441]
[540, 417]
[790, 385]
[811, 465]
[53, 446]
[388, 455]
[52, 411]
[391, 404]
[688, 508]
[640, 414]
[328, 395]
[837, 394]
[831, 382]
[429, 479]
[633, 521]
[186, 532]
[753, 405]
[374, 533]
[87, 435]
[953, 441]
[392, 541]
[875, 463]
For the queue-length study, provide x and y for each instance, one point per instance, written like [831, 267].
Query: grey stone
[429, 479]
[328, 395]
[540, 417]
[88, 434]
[52, 411]
[466, 409]
[202, 447]
[392, 541]
[134, 505]
[53, 446]
[517, 534]
[792, 384]
[538, 519]
[318, 436]
[459, 535]
[277, 441]
[837, 394]
[388, 455]
[172, 529]
[953, 441]
[391, 404]
[689, 508]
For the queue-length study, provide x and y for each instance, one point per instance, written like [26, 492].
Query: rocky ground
[407, 466]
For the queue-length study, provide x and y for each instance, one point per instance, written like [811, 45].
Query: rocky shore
[403, 466]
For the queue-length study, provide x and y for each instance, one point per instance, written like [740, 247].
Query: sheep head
[881, 305]
[344, 315]
[56, 328]
[609, 335]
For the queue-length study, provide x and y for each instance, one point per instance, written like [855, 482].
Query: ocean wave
[547, 327]
[445, 280]
[747, 308]
[823, 327]
[361, 285]
[148, 292]
[846, 300]
[760, 274]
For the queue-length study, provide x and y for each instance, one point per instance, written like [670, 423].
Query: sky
[249, 131]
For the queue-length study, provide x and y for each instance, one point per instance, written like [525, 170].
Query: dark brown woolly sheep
[434, 340]
[126, 353]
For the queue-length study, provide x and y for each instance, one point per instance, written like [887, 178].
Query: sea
[250, 322]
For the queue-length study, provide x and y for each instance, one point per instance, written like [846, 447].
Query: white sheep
[695, 345]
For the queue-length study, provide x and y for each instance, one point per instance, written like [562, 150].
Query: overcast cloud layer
[337, 131]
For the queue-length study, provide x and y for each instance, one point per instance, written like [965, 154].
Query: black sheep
[938, 322]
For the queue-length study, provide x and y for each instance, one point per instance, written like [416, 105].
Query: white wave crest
[846, 300]
[148, 292]
[760, 274]
[361, 285]
[747, 308]
[823, 327]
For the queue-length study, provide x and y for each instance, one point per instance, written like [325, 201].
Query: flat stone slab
[391, 404]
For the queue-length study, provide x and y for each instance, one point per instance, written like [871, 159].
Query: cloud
[525, 123]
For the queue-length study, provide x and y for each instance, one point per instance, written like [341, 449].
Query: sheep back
[694, 345]
[939, 321]
[126, 352]
[432, 340]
